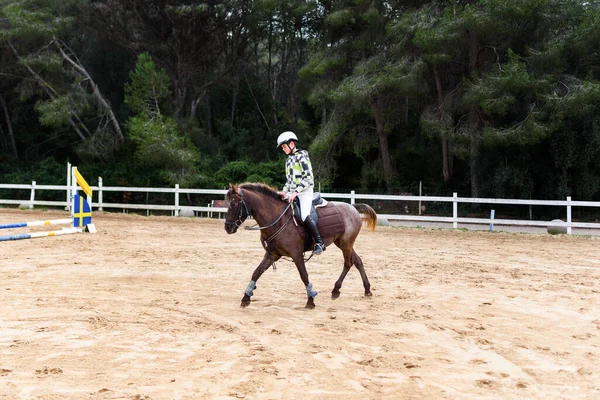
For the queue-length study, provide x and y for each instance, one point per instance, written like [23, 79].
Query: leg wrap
[310, 292]
[250, 289]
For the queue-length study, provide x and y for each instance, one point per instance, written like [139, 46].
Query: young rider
[300, 183]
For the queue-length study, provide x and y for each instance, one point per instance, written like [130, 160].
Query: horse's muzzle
[231, 227]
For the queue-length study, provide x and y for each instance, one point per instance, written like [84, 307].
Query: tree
[159, 142]
[196, 43]
[65, 91]
[483, 90]
[362, 72]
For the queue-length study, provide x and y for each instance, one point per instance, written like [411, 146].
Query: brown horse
[282, 236]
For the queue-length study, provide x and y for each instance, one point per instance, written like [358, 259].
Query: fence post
[454, 210]
[568, 215]
[99, 193]
[420, 194]
[176, 200]
[68, 207]
[352, 197]
[32, 197]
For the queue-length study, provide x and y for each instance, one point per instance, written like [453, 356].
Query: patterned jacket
[298, 170]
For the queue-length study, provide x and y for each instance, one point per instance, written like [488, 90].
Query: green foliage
[495, 93]
[159, 142]
[509, 182]
[581, 99]
[99, 148]
[47, 172]
[148, 87]
[44, 62]
[271, 173]
[34, 18]
[376, 75]
[55, 112]
[438, 36]
[510, 83]
[340, 18]
[436, 122]
[315, 78]
[187, 9]
[512, 100]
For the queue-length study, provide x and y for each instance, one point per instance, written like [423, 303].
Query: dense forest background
[488, 98]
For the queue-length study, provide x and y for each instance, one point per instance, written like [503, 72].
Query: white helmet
[286, 137]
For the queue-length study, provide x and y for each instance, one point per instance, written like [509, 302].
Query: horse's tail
[369, 215]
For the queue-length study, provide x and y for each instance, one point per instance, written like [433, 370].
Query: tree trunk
[474, 125]
[11, 138]
[95, 92]
[257, 105]
[208, 113]
[194, 106]
[270, 74]
[234, 90]
[446, 168]
[384, 150]
[180, 97]
[474, 150]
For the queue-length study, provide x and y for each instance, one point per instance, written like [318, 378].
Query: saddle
[330, 222]
[317, 201]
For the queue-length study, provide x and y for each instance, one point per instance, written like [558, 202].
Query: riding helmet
[285, 137]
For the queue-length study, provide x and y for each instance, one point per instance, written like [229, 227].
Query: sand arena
[148, 308]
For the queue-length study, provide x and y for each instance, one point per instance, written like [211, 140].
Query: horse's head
[238, 210]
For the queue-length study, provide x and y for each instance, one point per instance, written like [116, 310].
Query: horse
[283, 236]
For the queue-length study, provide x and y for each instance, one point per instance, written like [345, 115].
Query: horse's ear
[234, 188]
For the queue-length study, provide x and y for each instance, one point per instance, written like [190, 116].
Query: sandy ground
[148, 308]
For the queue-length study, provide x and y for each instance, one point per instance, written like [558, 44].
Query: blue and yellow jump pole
[31, 235]
[81, 214]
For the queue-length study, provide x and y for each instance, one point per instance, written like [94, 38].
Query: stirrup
[319, 249]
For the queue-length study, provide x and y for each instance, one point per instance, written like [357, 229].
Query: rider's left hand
[292, 196]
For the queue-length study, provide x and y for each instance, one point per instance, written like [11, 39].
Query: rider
[300, 183]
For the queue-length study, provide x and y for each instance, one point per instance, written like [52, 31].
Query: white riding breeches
[305, 197]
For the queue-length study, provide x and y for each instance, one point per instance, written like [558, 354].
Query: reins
[255, 227]
[260, 228]
[267, 242]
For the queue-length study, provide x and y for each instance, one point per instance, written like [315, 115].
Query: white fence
[352, 197]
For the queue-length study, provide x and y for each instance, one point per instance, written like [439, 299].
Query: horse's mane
[261, 188]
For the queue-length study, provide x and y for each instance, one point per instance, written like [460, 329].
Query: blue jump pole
[64, 231]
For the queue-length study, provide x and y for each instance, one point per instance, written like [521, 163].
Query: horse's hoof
[368, 294]
[310, 304]
[245, 302]
[335, 295]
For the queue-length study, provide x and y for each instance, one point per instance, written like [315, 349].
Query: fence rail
[177, 192]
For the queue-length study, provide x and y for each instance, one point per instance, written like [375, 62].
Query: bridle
[239, 220]
[242, 206]
[240, 213]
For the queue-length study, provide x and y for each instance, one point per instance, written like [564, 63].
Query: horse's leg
[347, 252]
[351, 258]
[360, 267]
[299, 261]
[262, 267]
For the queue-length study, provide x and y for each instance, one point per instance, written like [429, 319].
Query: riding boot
[314, 232]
